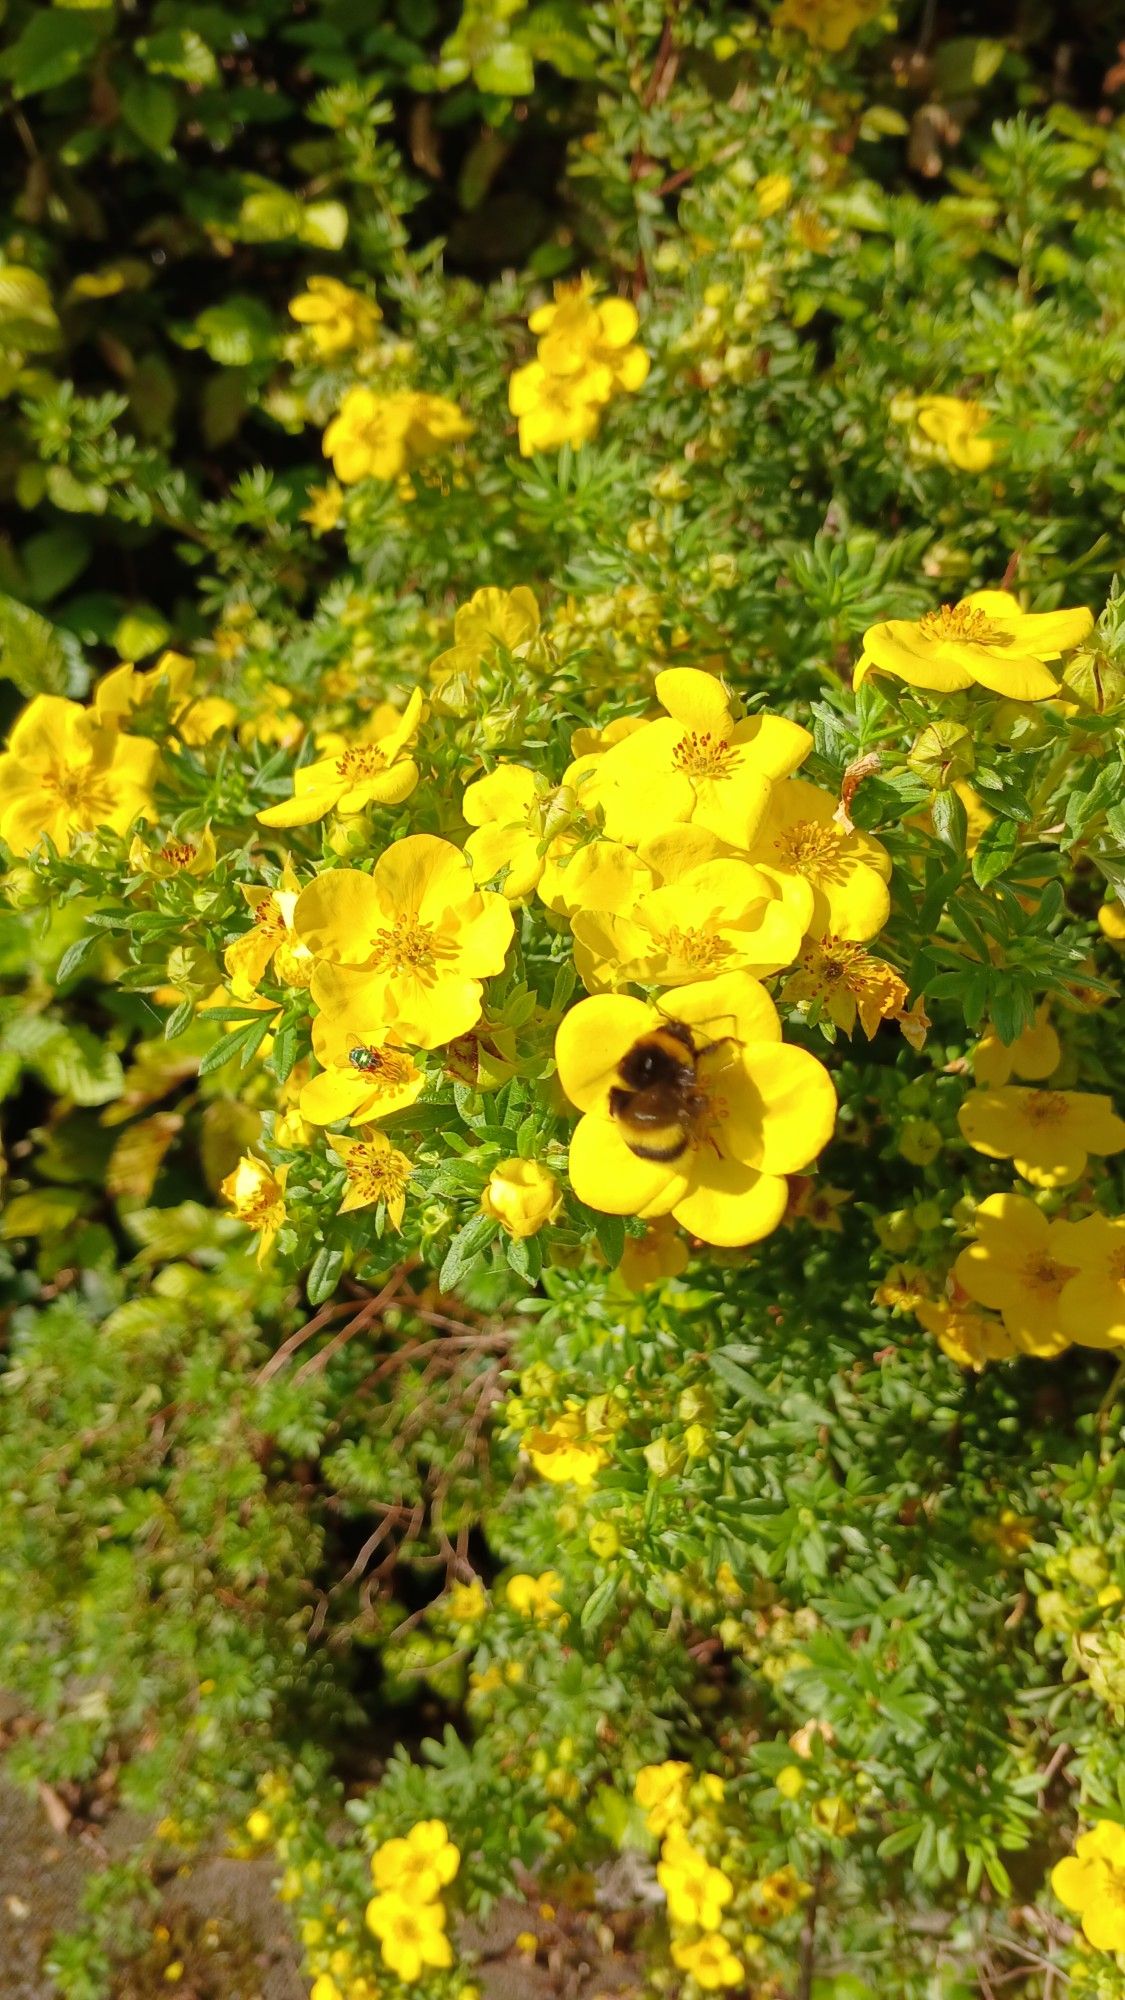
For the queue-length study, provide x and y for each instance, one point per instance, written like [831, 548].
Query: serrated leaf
[324, 1275]
[465, 1251]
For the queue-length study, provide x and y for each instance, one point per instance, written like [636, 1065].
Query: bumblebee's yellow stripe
[658, 1142]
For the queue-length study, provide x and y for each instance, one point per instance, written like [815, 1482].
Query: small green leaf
[994, 851]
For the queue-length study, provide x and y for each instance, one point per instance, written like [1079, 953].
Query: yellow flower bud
[521, 1196]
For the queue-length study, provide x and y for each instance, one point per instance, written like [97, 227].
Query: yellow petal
[781, 1107]
[339, 913]
[696, 700]
[729, 1204]
[606, 1175]
[505, 795]
[733, 1005]
[591, 1041]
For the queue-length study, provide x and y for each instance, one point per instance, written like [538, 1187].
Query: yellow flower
[1091, 1881]
[126, 688]
[335, 316]
[536, 1596]
[562, 1453]
[270, 940]
[790, 1781]
[379, 436]
[1111, 921]
[494, 625]
[722, 916]
[772, 193]
[324, 1987]
[404, 948]
[259, 1825]
[800, 838]
[904, 1288]
[986, 641]
[649, 1259]
[1092, 1303]
[377, 772]
[660, 1791]
[1034, 1055]
[506, 810]
[411, 1936]
[843, 981]
[521, 1196]
[696, 1892]
[577, 332]
[66, 773]
[833, 1815]
[466, 1602]
[257, 1195]
[947, 428]
[827, 24]
[325, 508]
[176, 857]
[202, 720]
[1047, 1134]
[1019, 1267]
[777, 1895]
[554, 410]
[762, 1110]
[710, 1962]
[696, 764]
[419, 1867]
[377, 1081]
[602, 875]
[376, 1172]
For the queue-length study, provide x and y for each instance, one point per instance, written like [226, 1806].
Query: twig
[1054, 1767]
[808, 1938]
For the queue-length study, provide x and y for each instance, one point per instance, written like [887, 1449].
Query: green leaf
[994, 851]
[54, 46]
[951, 822]
[42, 1212]
[465, 1251]
[597, 1605]
[150, 110]
[324, 1275]
[181, 53]
[610, 1232]
[30, 652]
[75, 956]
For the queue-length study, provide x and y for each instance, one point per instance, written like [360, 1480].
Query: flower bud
[942, 754]
[1096, 680]
[521, 1196]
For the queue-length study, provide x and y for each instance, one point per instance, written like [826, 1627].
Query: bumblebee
[657, 1100]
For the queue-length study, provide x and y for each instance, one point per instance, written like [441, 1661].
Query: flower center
[1045, 1107]
[962, 622]
[699, 754]
[80, 791]
[406, 946]
[692, 948]
[379, 1175]
[384, 1069]
[810, 849]
[366, 762]
[1042, 1274]
[178, 853]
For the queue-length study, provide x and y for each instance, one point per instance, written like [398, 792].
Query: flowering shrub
[563, 828]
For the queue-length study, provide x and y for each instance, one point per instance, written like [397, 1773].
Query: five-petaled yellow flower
[800, 838]
[948, 428]
[764, 1110]
[1091, 1881]
[697, 764]
[586, 354]
[65, 772]
[709, 1960]
[969, 1338]
[404, 948]
[418, 1867]
[1021, 1266]
[256, 1193]
[335, 316]
[697, 1893]
[377, 769]
[377, 1172]
[985, 641]
[563, 1453]
[1047, 1134]
[411, 1936]
[372, 1080]
[381, 435]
